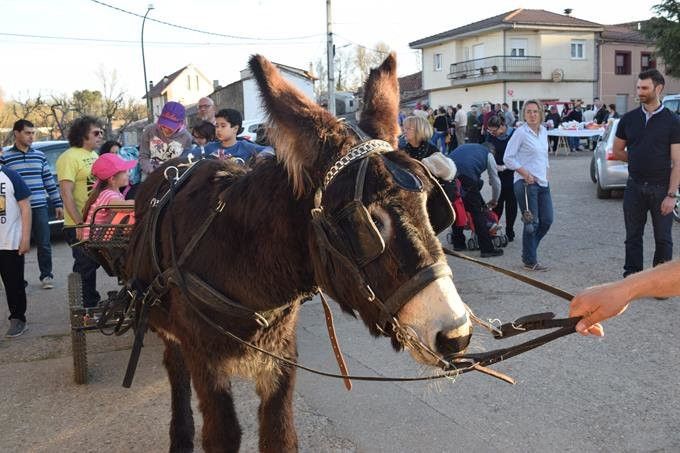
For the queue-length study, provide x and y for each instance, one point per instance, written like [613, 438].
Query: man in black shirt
[651, 135]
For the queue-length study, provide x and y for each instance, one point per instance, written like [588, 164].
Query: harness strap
[516, 275]
[413, 286]
[334, 342]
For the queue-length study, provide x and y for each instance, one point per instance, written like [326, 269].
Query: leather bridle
[357, 245]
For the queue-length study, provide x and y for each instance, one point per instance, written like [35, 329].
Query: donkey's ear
[381, 102]
[299, 126]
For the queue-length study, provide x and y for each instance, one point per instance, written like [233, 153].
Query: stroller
[464, 219]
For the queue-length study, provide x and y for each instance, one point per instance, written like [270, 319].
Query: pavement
[619, 393]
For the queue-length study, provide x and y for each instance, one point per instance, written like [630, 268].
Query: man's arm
[611, 299]
[66, 187]
[144, 153]
[619, 149]
[669, 202]
[52, 190]
[494, 180]
[25, 210]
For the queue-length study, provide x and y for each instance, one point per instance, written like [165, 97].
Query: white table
[580, 133]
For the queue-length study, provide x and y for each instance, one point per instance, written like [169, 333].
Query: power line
[195, 30]
[385, 52]
[122, 41]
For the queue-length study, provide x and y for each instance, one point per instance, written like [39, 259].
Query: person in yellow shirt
[74, 171]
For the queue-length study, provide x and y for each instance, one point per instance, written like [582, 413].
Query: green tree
[664, 30]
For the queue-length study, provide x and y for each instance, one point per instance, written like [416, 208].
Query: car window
[52, 153]
[673, 105]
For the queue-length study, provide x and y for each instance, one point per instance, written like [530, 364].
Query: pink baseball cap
[107, 165]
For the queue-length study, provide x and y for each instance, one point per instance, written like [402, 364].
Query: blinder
[439, 208]
[353, 232]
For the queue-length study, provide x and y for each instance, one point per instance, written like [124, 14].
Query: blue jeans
[86, 267]
[540, 205]
[40, 231]
[638, 199]
[573, 142]
[439, 140]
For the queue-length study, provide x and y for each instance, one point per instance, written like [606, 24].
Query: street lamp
[146, 84]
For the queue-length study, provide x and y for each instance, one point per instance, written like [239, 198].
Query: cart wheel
[504, 240]
[78, 344]
[496, 240]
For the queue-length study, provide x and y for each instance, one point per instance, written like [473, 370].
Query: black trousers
[474, 204]
[507, 201]
[86, 267]
[12, 273]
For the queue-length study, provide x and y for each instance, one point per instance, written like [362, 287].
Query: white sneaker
[47, 283]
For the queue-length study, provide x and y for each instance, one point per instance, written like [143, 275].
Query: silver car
[606, 171]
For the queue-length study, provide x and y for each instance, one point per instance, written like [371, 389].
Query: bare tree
[366, 58]
[112, 97]
[130, 112]
[28, 107]
[62, 113]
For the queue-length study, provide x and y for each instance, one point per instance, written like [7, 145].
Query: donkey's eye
[378, 222]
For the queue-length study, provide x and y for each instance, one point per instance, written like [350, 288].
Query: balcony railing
[498, 67]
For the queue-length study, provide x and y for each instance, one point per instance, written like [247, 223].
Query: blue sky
[291, 32]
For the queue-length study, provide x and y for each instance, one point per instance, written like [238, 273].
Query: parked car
[250, 130]
[672, 102]
[52, 149]
[607, 172]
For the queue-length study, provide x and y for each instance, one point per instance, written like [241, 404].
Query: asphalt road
[619, 393]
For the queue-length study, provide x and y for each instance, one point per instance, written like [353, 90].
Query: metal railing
[499, 64]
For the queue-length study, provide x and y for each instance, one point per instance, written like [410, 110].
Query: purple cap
[172, 116]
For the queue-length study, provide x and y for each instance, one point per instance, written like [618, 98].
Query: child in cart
[112, 175]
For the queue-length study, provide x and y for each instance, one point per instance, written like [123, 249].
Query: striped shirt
[35, 171]
[106, 197]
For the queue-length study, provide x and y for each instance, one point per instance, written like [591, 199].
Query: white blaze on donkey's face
[439, 318]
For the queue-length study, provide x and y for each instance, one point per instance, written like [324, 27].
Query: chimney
[216, 84]
[150, 84]
[567, 11]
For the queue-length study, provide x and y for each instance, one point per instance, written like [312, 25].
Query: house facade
[186, 86]
[244, 94]
[519, 55]
[624, 53]
[536, 54]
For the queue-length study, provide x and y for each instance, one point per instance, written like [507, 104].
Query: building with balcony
[515, 56]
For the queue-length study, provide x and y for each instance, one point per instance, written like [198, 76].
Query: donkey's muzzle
[447, 346]
[454, 338]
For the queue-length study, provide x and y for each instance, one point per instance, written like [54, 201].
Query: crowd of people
[93, 173]
[515, 158]
[457, 146]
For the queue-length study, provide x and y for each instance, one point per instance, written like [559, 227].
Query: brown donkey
[331, 212]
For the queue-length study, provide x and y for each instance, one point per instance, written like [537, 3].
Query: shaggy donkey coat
[261, 251]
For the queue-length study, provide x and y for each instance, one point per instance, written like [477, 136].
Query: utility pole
[149, 113]
[330, 55]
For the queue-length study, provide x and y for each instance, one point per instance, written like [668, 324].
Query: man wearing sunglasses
[74, 170]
